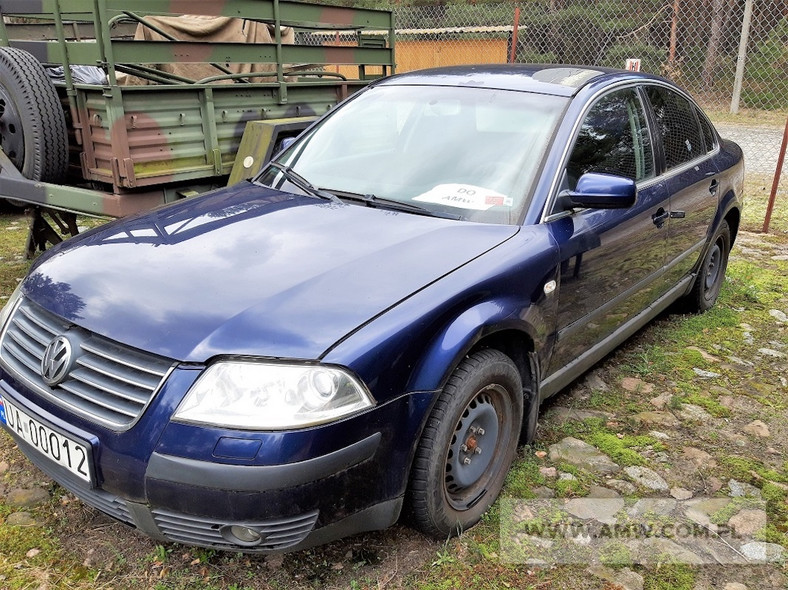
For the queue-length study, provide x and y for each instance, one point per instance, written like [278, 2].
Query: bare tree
[720, 11]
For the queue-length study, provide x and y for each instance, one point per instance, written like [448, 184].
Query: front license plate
[57, 447]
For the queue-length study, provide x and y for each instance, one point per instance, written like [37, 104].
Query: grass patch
[756, 284]
[705, 401]
[620, 448]
[671, 577]
[742, 468]
[615, 555]
[523, 477]
[748, 117]
[13, 265]
[773, 493]
[757, 188]
[647, 361]
[32, 558]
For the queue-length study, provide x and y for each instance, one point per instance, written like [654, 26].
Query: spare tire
[33, 130]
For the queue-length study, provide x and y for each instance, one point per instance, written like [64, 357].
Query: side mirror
[601, 191]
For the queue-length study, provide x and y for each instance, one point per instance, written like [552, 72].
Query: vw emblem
[56, 361]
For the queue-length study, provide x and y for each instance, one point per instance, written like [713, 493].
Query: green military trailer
[107, 111]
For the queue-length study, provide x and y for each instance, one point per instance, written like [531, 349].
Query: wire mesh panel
[693, 42]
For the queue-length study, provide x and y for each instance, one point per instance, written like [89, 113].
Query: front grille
[110, 383]
[98, 499]
[192, 530]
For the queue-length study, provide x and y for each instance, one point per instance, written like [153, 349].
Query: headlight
[10, 306]
[271, 396]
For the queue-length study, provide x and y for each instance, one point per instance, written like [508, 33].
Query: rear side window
[613, 139]
[708, 135]
[677, 126]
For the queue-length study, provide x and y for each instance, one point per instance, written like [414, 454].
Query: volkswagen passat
[368, 327]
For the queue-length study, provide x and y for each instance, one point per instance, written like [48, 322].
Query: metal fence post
[745, 35]
[513, 51]
[776, 183]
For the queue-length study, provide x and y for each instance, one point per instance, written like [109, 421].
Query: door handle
[714, 186]
[660, 217]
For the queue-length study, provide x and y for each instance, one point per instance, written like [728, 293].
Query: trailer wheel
[33, 130]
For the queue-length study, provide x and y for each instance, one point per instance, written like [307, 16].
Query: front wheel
[468, 445]
[711, 273]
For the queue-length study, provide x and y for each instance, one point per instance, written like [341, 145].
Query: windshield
[469, 152]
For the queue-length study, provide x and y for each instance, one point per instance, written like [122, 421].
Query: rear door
[687, 144]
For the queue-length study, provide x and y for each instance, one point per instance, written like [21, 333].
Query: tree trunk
[674, 25]
[715, 38]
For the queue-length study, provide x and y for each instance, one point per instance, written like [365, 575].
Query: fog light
[241, 535]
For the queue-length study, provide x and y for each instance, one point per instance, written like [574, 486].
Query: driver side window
[613, 139]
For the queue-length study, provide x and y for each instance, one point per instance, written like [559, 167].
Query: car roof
[558, 80]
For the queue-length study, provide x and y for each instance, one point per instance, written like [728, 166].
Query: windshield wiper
[375, 201]
[302, 183]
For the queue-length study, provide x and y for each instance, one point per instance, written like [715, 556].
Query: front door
[610, 259]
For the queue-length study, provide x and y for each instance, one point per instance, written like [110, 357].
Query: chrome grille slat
[110, 383]
[21, 356]
[35, 331]
[118, 373]
[83, 406]
[86, 394]
[47, 322]
[133, 359]
[26, 342]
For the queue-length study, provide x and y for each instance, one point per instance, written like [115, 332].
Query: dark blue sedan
[369, 327]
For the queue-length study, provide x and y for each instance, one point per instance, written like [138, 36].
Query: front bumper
[187, 499]
[289, 533]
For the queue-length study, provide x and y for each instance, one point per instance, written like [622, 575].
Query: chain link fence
[696, 43]
[700, 44]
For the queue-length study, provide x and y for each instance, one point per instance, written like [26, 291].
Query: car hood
[249, 271]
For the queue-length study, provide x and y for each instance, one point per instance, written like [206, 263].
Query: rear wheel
[467, 446]
[712, 272]
[33, 131]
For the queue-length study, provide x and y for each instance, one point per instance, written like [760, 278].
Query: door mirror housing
[600, 191]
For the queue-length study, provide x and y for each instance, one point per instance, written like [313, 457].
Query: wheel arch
[516, 338]
[519, 346]
[733, 217]
[486, 325]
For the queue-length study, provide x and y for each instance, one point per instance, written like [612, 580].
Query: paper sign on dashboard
[465, 196]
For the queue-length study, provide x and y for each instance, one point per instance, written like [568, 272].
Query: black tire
[33, 130]
[711, 274]
[481, 407]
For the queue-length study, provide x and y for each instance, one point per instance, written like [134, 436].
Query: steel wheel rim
[713, 267]
[12, 137]
[466, 483]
